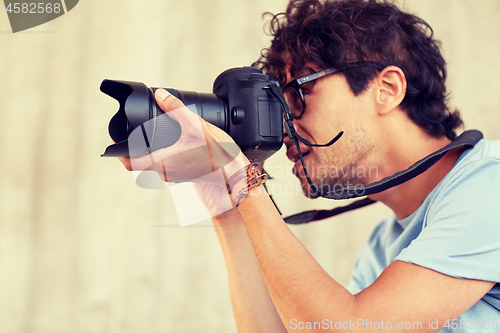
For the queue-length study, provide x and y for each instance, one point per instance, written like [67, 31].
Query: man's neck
[408, 197]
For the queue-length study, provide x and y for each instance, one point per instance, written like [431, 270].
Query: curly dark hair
[334, 32]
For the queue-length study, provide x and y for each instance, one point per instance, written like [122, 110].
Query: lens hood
[137, 115]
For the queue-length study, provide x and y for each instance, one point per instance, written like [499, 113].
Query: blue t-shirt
[456, 232]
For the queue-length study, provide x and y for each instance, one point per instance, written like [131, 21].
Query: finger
[126, 163]
[146, 162]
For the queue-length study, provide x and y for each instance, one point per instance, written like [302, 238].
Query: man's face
[331, 107]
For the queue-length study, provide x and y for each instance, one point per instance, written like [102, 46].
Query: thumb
[168, 103]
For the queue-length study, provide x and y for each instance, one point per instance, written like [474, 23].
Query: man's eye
[307, 87]
[306, 90]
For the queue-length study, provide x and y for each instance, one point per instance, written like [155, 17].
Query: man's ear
[391, 88]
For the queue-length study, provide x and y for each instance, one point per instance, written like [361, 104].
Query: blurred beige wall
[82, 248]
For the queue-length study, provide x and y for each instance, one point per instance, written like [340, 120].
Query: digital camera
[240, 105]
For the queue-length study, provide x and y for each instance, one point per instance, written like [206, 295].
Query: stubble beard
[339, 167]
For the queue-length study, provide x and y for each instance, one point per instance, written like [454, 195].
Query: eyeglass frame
[296, 84]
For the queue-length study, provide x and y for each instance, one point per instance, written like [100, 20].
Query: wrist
[244, 180]
[238, 163]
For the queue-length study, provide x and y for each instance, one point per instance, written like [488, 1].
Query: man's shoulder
[484, 150]
[479, 162]
[470, 188]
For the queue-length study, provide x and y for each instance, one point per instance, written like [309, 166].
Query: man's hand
[204, 155]
[202, 147]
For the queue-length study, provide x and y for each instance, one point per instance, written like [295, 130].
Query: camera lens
[208, 106]
[140, 117]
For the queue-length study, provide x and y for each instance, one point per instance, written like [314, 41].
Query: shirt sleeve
[461, 231]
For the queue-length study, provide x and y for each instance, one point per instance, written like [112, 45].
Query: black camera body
[240, 105]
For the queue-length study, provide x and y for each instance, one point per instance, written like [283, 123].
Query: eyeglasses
[293, 90]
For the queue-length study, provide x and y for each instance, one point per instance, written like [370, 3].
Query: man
[436, 259]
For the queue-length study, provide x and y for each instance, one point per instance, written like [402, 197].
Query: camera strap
[466, 139]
